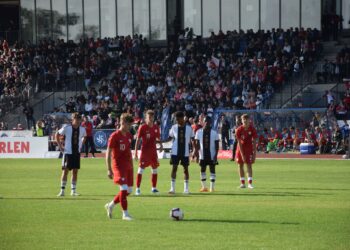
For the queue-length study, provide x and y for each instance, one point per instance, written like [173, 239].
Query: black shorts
[71, 161]
[203, 163]
[175, 160]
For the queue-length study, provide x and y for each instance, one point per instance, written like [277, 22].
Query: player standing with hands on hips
[119, 165]
[75, 136]
[207, 143]
[149, 133]
[246, 151]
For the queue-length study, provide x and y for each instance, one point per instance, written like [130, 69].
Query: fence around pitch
[278, 118]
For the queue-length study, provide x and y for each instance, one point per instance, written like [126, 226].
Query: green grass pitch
[297, 204]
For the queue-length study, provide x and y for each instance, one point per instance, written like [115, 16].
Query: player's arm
[193, 141]
[241, 150]
[254, 149]
[131, 161]
[62, 131]
[196, 150]
[239, 145]
[255, 136]
[137, 145]
[197, 146]
[58, 141]
[84, 138]
[108, 163]
[216, 151]
[159, 141]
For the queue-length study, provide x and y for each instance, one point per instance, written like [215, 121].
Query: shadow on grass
[316, 189]
[240, 221]
[55, 198]
[280, 194]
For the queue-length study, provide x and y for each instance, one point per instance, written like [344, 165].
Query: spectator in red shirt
[89, 142]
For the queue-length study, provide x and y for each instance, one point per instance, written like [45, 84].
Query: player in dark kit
[75, 136]
[246, 151]
[182, 135]
[207, 147]
[120, 166]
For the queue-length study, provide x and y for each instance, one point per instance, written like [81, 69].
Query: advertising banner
[100, 137]
[23, 147]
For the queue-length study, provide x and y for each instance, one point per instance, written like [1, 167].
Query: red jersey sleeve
[238, 132]
[112, 140]
[140, 132]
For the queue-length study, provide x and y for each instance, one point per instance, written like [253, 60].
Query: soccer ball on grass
[176, 214]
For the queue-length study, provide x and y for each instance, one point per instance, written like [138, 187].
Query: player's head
[76, 119]
[126, 121]
[207, 122]
[149, 116]
[85, 118]
[180, 118]
[245, 120]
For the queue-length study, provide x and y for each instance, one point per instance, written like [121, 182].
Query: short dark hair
[179, 114]
[207, 119]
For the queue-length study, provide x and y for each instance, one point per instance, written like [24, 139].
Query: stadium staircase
[42, 103]
[304, 90]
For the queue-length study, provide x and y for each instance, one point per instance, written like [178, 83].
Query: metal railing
[292, 86]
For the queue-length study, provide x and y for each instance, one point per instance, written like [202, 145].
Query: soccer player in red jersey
[149, 133]
[246, 150]
[119, 165]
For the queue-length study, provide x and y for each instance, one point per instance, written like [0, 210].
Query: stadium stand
[236, 70]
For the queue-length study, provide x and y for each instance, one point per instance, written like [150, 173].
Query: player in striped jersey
[207, 146]
[181, 135]
[75, 136]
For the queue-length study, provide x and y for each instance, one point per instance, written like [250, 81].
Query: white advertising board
[23, 147]
[16, 133]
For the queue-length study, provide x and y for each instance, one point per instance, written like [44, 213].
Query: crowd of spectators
[331, 138]
[236, 70]
[50, 65]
